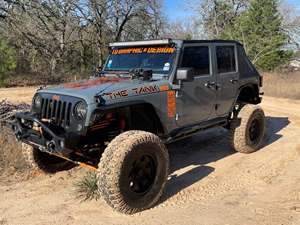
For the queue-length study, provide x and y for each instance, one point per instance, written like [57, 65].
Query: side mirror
[99, 68]
[185, 74]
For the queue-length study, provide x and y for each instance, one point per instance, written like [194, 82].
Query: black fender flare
[129, 104]
[253, 86]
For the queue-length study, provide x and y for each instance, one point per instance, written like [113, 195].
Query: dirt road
[209, 184]
[20, 94]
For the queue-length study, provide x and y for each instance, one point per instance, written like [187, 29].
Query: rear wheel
[247, 129]
[44, 161]
[133, 171]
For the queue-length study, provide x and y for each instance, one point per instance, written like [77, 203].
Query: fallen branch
[8, 111]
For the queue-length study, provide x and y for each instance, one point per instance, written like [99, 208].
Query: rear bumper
[32, 131]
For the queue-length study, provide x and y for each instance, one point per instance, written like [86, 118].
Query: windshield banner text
[151, 50]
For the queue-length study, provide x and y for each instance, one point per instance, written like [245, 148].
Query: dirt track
[209, 184]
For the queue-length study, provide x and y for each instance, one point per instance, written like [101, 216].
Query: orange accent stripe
[171, 101]
[87, 166]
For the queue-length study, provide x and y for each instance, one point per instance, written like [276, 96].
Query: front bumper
[32, 131]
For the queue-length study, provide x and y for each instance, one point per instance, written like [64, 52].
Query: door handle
[213, 85]
[218, 87]
[233, 81]
[210, 84]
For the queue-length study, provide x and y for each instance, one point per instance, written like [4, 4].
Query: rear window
[226, 59]
[196, 57]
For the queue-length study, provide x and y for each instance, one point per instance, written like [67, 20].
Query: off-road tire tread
[238, 129]
[30, 156]
[109, 169]
[27, 152]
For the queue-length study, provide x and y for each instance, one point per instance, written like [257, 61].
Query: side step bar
[191, 130]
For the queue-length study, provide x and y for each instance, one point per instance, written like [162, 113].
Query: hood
[106, 87]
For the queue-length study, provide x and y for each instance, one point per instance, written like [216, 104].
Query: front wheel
[247, 129]
[43, 161]
[133, 171]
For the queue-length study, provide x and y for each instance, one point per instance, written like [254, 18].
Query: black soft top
[212, 41]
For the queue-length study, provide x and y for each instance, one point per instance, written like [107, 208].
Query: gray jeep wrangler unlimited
[148, 94]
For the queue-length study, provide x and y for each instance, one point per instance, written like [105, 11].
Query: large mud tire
[247, 130]
[133, 171]
[45, 162]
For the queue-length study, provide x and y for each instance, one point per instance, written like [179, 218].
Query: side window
[197, 57]
[226, 59]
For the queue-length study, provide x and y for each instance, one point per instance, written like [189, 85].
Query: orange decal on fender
[171, 101]
[164, 88]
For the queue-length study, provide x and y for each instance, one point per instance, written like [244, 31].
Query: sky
[178, 9]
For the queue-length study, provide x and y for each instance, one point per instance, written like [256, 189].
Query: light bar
[140, 43]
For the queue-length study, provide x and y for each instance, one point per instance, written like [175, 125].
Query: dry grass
[285, 85]
[11, 159]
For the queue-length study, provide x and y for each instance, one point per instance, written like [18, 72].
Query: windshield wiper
[118, 73]
[146, 74]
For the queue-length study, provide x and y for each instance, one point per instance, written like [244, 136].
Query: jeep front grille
[56, 111]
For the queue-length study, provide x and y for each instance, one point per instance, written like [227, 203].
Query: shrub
[87, 188]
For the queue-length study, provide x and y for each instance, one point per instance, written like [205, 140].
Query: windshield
[157, 59]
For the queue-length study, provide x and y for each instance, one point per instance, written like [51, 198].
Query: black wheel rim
[254, 131]
[142, 174]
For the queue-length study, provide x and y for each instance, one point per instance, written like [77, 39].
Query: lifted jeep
[148, 94]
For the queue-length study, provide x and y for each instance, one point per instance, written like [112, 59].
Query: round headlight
[37, 102]
[80, 110]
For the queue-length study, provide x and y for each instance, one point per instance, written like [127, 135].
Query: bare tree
[189, 29]
[291, 23]
[215, 15]
[45, 26]
[116, 20]
[61, 36]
